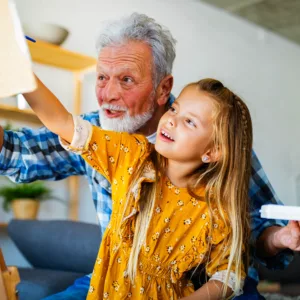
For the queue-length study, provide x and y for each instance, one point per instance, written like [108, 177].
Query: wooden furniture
[3, 225]
[55, 56]
[14, 113]
[9, 278]
[268, 287]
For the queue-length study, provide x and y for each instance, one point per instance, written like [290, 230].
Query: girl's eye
[190, 122]
[172, 109]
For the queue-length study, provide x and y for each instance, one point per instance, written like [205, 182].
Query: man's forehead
[118, 68]
[123, 61]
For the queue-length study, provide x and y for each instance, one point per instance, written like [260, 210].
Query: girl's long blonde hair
[226, 180]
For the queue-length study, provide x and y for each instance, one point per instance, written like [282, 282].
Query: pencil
[30, 39]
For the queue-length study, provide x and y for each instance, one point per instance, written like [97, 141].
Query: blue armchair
[59, 252]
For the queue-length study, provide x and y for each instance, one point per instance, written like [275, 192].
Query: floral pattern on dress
[178, 235]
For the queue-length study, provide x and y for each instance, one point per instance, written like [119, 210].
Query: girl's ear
[211, 155]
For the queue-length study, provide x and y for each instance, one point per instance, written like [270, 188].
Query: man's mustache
[113, 107]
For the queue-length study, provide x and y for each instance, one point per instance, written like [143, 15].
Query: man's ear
[164, 89]
[211, 155]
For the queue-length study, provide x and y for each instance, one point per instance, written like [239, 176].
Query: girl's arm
[217, 265]
[212, 290]
[50, 111]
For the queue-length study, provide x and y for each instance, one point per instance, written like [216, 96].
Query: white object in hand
[15, 75]
[281, 212]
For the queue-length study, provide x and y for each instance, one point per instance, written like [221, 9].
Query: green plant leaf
[9, 126]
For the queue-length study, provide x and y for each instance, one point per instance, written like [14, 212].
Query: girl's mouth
[166, 136]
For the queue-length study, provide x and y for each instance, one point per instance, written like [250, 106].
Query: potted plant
[9, 126]
[25, 198]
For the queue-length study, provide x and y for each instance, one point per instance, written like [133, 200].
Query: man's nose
[111, 91]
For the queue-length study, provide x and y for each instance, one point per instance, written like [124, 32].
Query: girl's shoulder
[124, 138]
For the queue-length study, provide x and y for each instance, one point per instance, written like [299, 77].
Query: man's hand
[275, 239]
[288, 236]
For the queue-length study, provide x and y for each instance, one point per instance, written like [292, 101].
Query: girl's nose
[171, 121]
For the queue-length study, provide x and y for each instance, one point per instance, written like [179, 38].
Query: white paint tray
[281, 212]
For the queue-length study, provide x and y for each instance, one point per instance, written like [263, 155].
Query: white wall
[261, 67]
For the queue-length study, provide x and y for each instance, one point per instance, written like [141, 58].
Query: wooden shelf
[3, 225]
[13, 113]
[53, 55]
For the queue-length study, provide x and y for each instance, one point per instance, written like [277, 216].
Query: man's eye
[101, 77]
[128, 79]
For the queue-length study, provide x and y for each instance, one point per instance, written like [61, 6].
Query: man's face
[124, 86]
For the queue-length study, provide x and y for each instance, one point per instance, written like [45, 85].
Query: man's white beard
[126, 122]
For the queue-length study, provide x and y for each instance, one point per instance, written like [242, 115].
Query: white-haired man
[133, 89]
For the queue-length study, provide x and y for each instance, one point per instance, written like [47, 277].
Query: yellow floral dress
[178, 235]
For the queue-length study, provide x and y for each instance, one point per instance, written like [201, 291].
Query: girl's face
[185, 131]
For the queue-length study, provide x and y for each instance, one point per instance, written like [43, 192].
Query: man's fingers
[295, 232]
[293, 224]
[291, 238]
[295, 235]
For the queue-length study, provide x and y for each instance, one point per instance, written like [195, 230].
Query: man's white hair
[139, 27]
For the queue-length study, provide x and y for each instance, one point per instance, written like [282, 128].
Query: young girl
[178, 205]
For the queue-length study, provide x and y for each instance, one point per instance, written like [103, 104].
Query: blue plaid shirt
[30, 155]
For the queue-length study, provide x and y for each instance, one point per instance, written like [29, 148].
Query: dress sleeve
[106, 151]
[217, 265]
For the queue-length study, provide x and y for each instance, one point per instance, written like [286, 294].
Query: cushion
[57, 245]
[38, 283]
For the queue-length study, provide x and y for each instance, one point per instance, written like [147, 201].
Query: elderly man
[133, 89]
